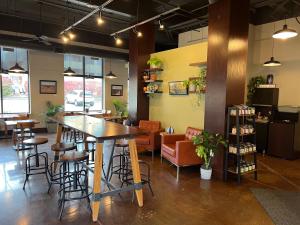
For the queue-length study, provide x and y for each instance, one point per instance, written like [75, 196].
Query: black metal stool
[73, 178]
[122, 158]
[37, 168]
[60, 148]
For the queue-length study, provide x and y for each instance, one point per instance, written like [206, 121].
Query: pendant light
[110, 75]
[16, 68]
[69, 71]
[285, 33]
[272, 61]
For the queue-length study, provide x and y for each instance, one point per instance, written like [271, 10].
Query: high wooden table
[4, 117]
[104, 130]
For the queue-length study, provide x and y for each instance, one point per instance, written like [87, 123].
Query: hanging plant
[253, 83]
[198, 84]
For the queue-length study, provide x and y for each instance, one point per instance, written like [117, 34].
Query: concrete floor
[190, 201]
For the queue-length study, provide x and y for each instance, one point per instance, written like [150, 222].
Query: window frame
[84, 77]
[25, 73]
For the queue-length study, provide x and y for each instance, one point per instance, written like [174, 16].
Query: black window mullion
[83, 68]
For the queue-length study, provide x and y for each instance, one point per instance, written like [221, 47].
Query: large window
[14, 90]
[83, 90]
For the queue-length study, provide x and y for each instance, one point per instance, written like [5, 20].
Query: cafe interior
[150, 112]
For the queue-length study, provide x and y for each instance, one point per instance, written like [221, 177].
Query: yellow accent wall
[179, 111]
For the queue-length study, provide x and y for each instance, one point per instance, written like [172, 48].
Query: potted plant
[154, 63]
[121, 108]
[207, 144]
[253, 83]
[52, 110]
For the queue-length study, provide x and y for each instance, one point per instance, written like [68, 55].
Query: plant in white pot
[207, 144]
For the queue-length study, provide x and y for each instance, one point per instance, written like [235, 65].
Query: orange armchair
[179, 149]
[151, 140]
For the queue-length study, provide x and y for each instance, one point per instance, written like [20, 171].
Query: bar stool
[57, 149]
[37, 168]
[122, 158]
[24, 132]
[73, 178]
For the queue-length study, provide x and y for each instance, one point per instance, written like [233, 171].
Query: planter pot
[205, 173]
[153, 77]
[51, 127]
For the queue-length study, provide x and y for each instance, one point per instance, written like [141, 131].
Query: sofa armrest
[172, 138]
[186, 154]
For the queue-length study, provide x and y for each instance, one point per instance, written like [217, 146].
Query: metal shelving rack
[238, 139]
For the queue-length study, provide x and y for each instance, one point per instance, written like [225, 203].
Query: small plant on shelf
[254, 82]
[120, 107]
[207, 144]
[154, 63]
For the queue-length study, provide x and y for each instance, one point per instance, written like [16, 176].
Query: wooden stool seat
[74, 156]
[62, 147]
[36, 141]
[90, 139]
[121, 143]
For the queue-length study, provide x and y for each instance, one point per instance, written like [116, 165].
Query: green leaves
[154, 61]
[53, 109]
[121, 107]
[254, 82]
[207, 144]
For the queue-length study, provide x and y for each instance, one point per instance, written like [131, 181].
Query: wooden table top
[98, 127]
[14, 122]
[5, 116]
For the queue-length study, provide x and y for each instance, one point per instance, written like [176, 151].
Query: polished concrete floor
[190, 201]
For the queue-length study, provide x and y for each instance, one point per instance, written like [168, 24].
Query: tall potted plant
[52, 110]
[207, 145]
[120, 107]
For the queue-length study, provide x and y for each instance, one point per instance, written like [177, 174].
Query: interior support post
[226, 65]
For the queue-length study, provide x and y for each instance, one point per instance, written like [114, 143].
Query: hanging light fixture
[16, 68]
[71, 35]
[69, 71]
[139, 34]
[110, 75]
[285, 33]
[272, 61]
[100, 21]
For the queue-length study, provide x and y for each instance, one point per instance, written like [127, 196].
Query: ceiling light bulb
[64, 38]
[139, 34]
[118, 41]
[161, 26]
[285, 33]
[100, 21]
[71, 35]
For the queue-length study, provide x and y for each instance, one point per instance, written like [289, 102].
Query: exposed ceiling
[24, 16]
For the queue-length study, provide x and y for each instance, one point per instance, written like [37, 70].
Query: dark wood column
[139, 52]
[226, 64]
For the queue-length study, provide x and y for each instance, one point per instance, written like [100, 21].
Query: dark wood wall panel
[226, 64]
[139, 52]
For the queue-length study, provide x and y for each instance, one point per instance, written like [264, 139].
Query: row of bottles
[244, 148]
[243, 110]
[244, 129]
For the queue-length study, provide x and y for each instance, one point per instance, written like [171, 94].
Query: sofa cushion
[169, 149]
[143, 140]
[191, 132]
[149, 125]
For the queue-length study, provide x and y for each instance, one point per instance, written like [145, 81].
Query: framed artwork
[48, 87]
[116, 90]
[177, 88]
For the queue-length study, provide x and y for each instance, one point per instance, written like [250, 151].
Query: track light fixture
[138, 33]
[161, 26]
[71, 35]
[64, 38]
[118, 40]
[100, 21]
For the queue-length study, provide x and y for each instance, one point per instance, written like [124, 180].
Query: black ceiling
[57, 14]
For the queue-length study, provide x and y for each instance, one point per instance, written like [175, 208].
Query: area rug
[283, 207]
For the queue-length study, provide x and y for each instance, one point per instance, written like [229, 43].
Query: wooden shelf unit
[198, 64]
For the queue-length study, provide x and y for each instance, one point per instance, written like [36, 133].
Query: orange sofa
[151, 140]
[179, 149]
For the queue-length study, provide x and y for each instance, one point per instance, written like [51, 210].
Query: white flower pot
[205, 173]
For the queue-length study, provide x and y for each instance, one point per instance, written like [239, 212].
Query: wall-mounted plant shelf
[153, 70]
[153, 81]
[149, 92]
[198, 64]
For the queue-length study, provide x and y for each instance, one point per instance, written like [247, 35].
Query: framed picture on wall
[116, 90]
[48, 87]
[177, 88]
